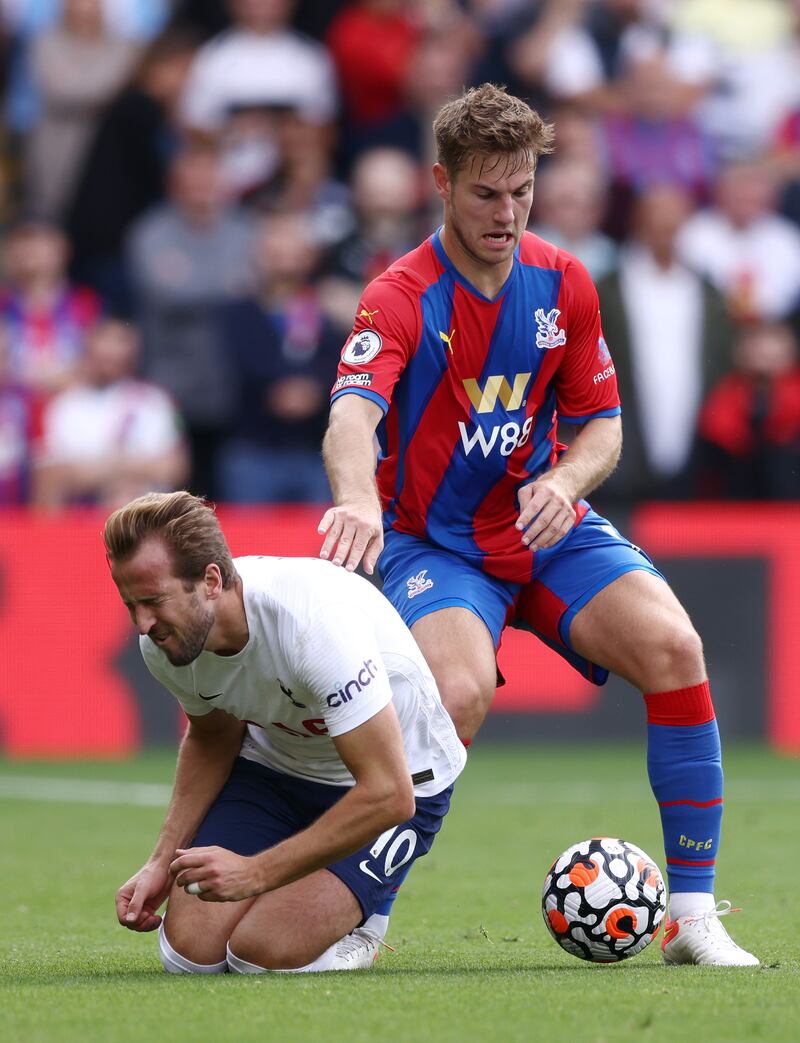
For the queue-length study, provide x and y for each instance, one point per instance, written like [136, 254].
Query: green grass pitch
[473, 959]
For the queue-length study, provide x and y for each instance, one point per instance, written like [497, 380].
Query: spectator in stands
[755, 64]
[373, 91]
[749, 432]
[648, 143]
[77, 66]
[185, 258]
[569, 207]
[17, 427]
[125, 170]
[304, 180]
[43, 317]
[386, 196]
[670, 340]
[284, 352]
[749, 252]
[110, 436]
[260, 62]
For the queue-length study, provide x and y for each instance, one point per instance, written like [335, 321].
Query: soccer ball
[603, 900]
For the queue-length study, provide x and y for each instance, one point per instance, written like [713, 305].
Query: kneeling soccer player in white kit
[318, 762]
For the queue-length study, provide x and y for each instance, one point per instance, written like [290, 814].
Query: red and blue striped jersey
[472, 390]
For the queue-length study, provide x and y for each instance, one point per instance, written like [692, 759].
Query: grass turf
[473, 960]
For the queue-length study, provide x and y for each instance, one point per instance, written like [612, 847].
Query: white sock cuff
[690, 903]
[236, 965]
[174, 963]
[325, 962]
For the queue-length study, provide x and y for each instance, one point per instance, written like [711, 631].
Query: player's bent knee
[174, 962]
[265, 952]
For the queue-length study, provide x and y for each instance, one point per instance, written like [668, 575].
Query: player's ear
[213, 581]
[441, 181]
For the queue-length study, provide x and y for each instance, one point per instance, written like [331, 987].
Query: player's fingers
[334, 531]
[136, 904]
[345, 543]
[362, 540]
[372, 553]
[553, 532]
[325, 521]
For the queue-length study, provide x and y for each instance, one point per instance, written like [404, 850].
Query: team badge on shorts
[548, 335]
[362, 348]
[419, 584]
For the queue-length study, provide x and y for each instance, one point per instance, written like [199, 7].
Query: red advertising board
[62, 626]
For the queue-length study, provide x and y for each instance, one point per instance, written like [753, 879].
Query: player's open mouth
[498, 238]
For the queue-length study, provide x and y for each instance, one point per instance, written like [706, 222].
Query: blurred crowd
[194, 192]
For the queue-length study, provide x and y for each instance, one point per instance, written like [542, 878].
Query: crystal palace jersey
[472, 390]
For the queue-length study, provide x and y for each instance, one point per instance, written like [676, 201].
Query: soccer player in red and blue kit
[465, 355]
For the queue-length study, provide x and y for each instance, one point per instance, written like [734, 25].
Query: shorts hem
[435, 606]
[608, 578]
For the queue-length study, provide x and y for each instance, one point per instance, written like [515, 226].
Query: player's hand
[546, 513]
[221, 875]
[353, 532]
[139, 899]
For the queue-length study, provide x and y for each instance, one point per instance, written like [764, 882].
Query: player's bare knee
[670, 657]
[466, 698]
[268, 951]
[182, 959]
[199, 947]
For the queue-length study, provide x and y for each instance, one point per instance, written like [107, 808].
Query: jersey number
[400, 851]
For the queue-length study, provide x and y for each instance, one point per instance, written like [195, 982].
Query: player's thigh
[200, 930]
[636, 627]
[459, 649]
[292, 926]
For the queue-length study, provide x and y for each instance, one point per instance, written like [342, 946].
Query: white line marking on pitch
[149, 794]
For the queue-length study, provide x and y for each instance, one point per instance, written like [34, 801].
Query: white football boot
[356, 951]
[701, 939]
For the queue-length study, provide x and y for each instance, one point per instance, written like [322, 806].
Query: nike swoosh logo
[365, 869]
[208, 698]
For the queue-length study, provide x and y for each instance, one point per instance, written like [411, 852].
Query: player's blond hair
[488, 121]
[186, 524]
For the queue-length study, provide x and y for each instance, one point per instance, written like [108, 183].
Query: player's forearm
[348, 451]
[204, 763]
[590, 459]
[357, 819]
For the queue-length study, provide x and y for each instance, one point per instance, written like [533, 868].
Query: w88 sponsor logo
[507, 437]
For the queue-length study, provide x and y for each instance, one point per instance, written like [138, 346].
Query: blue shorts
[258, 807]
[419, 578]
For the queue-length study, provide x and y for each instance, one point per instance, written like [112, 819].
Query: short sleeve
[338, 661]
[384, 337]
[586, 382]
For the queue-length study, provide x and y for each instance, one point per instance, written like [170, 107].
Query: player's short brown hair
[488, 121]
[187, 525]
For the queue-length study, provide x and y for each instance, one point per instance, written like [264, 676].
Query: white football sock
[325, 962]
[174, 963]
[690, 903]
[378, 924]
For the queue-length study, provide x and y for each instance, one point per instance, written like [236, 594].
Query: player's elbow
[395, 804]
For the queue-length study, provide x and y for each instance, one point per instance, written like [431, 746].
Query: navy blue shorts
[419, 578]
[258, 807]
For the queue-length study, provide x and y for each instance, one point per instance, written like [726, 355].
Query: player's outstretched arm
[207, 752]
[546, 505]
[382, 797]
[352, 528]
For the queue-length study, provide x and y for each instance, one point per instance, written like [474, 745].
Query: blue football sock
[685, 769]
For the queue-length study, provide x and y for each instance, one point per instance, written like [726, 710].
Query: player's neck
[488, 279]
[230, 632]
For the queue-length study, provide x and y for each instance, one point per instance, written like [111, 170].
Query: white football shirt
[326, 651]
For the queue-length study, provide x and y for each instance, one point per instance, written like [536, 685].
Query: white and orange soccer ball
[603, 900]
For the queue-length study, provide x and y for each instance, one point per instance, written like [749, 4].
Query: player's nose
[143, 619]
[505, 210]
